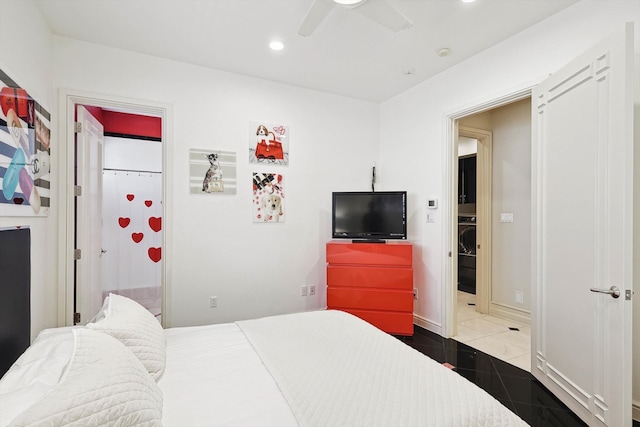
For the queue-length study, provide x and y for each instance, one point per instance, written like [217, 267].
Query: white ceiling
[347, 54]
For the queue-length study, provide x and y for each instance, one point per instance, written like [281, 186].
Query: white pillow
[136, 328]
[104, 384]
[35, 372]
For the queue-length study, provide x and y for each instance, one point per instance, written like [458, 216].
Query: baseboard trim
[427, 324]
[510, 313]
[635, 410]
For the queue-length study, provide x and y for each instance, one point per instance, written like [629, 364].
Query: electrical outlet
[415, 293]
[303, 290]
[519, 297]
[213, 302]
[312, 289]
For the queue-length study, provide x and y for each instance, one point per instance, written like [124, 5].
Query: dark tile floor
[516, 389]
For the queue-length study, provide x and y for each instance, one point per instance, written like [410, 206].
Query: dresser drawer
[370, 277]
[396, 254]
[373, 299]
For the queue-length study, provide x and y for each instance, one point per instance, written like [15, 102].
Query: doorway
[132, 208]
[69, 101]
[491, 316]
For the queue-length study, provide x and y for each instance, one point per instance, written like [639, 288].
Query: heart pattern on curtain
[155, 224]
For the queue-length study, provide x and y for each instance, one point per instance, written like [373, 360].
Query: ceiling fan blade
[384, 14]
[318, 11]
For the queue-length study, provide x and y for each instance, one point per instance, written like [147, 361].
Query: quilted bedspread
[337, 370]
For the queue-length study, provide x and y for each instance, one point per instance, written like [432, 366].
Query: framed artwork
[269, 143]
[212, 172]
[25, 148]
[268, 197]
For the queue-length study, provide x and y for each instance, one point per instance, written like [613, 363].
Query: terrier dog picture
[212, 182]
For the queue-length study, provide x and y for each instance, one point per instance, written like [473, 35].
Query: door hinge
[76, 318]
[77, 254]
[77, 190]
[627, 294]
[77, 127]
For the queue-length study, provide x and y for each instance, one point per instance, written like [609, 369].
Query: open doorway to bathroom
[130, 233]
[493, 222]
[118, 164]
[132, 208]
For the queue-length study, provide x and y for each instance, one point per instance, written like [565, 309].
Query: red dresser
[373, 281]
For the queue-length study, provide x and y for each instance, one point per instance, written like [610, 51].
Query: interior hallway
[504, 339]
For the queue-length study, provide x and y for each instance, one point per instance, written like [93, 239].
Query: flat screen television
[369, 216]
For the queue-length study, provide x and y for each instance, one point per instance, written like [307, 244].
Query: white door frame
[450, 191]
[66, 112]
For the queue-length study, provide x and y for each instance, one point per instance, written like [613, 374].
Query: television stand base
[368, 241]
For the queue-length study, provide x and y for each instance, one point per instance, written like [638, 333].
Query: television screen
[376, 215]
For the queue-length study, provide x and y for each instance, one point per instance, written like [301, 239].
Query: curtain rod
[128, 170]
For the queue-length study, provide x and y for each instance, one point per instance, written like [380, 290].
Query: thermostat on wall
[432, 204]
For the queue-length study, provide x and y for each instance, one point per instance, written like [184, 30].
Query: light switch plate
[506, 217]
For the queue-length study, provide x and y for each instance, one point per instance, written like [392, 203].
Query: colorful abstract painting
[25, 147]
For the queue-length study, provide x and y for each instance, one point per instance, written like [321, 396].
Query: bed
[319, 368]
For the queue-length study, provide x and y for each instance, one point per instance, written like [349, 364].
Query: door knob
[613, 291]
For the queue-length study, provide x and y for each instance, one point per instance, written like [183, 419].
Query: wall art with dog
[25, 146]
[212, 172]
[269, 143]
[268, 197]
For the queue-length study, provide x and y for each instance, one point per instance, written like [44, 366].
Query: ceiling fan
[378, 11]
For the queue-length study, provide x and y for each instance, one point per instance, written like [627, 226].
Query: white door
[88, 286]
[582, 176]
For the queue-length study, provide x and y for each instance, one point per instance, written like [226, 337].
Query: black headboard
[15, 295]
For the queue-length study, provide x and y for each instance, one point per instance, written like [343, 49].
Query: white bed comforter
[324, 368]
[213, 377]
[335, 370]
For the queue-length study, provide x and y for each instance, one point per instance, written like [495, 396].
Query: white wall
[412, 128]
[511, 193]
[253, 269]
[25, 56]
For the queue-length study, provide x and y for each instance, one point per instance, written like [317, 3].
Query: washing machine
[467, 253]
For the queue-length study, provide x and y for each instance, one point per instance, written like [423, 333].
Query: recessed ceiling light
[445, 51]
[348, 2]
[468, 1]
[276, 45]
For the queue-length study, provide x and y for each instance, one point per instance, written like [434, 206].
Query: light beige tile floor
[492, 335]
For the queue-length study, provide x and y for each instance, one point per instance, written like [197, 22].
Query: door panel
[88, 286]
[582, 229]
